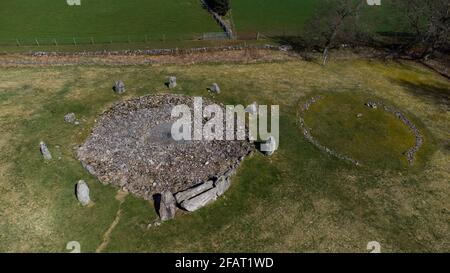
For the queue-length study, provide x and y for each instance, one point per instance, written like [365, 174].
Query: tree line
[337, 22]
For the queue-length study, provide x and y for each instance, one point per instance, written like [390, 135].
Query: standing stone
[222, 185]
[44, 151]
[172, 82]
[70, 118]
[83, 193]
[252, 108]
[167, 206]
[269, 146]
[119, 87]
[371, 104]
[215, 88]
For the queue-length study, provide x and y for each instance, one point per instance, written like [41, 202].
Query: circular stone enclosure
[131, 146]
[357, 128]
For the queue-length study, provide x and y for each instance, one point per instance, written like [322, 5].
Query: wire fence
[92, 40]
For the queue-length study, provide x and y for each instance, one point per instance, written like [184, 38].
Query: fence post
[74, 41]
[257, 36]
[37, 42]
[17, 41]
[56, 43]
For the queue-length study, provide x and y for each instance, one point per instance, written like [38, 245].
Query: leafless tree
[334, 18]
[430, 22]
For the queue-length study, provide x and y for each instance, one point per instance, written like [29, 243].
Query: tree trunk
[325, 56]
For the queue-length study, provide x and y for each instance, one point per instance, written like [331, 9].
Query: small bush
[220, 6]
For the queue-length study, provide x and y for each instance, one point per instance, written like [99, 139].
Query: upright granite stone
[252, 108]
[269, 146]
[214, 88]
[45, 151]
[83, 193]
[167, 206]
[222, 185]
[70, 118]
[119, 87]
[172, 83]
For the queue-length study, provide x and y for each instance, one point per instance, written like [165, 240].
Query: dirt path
[120, 197]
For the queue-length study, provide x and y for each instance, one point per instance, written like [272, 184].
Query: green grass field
[298, 200]
[289, 17]
[103, 20]
[375, 138]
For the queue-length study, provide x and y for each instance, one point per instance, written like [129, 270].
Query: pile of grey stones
[131, 147]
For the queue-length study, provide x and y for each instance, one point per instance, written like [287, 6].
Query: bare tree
[430, 22]
[334, 18]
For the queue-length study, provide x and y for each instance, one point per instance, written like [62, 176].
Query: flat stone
[192, 192]
[200, 201]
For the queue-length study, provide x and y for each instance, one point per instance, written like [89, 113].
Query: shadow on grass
[298, 44]
[437, 92]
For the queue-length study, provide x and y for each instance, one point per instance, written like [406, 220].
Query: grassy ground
[104, 20]
[374, 138]
[288, 17]
[298, 200]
